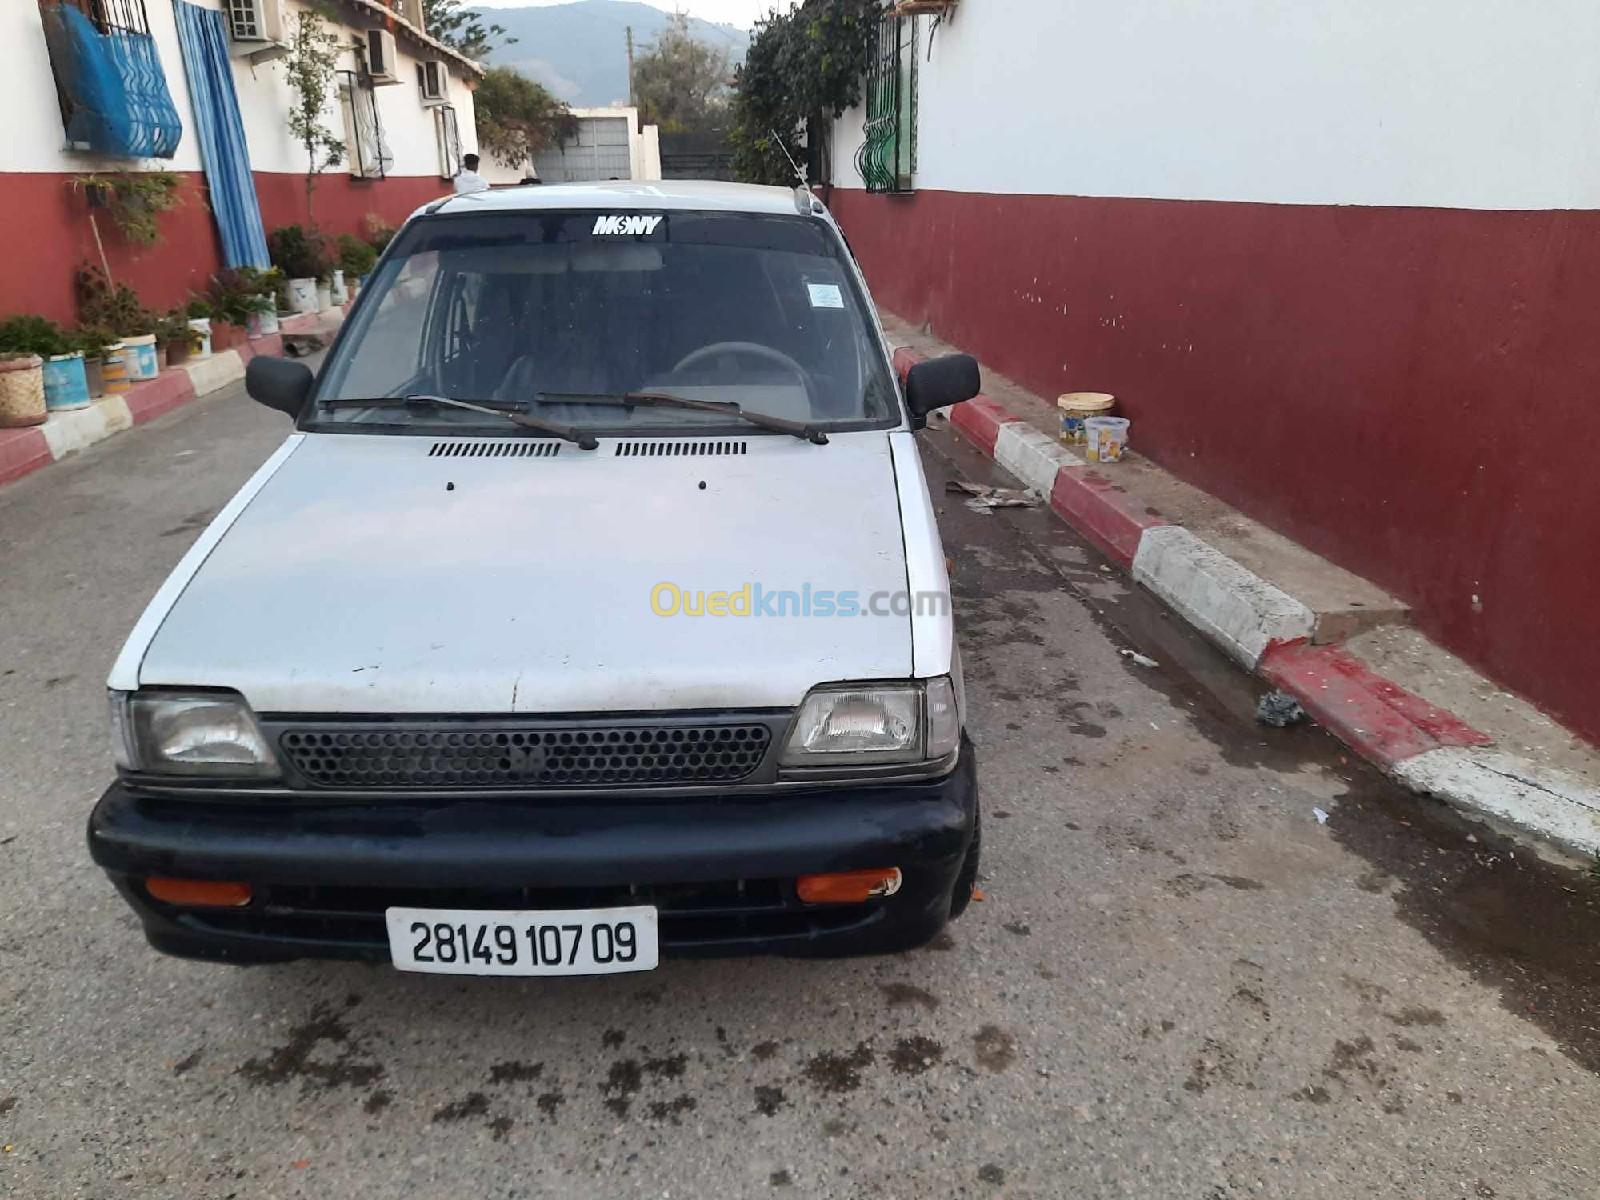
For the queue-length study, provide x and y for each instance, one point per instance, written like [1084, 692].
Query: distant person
[467, 179]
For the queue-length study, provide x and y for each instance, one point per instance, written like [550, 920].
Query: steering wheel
[749, 349]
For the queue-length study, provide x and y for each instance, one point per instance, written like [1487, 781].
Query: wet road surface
[1179, 984]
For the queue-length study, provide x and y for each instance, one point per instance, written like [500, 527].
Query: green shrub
[356, 257]
[300, 253]
[33, 335]
[111, 306]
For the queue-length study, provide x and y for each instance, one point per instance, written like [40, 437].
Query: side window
[389, 358]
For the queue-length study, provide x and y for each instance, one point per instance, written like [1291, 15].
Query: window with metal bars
[887, 159]
[448, 134]
[114, 16]
[370, 156]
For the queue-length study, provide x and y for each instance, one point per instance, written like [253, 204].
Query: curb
[1268, 632]
[24, 451]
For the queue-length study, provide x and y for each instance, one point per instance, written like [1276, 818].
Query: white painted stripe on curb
[80, 427]
[1551, 804]
[216, 372]
[1232, 606]
[1031, 456]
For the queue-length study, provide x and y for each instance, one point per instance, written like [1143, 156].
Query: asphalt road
[1179, 984]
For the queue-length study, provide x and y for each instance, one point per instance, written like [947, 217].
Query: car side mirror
[278, 383]
[939, 383]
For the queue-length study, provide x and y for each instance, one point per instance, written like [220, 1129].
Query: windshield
[553, 309]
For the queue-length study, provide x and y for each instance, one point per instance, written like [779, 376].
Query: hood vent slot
[679, 449]
[495, 450]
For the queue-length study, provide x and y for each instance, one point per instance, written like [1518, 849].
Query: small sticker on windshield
[825, 295]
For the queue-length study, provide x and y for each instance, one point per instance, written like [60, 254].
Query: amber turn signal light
[849, 887]
[198, 893]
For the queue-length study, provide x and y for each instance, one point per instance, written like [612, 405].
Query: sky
[742, 13]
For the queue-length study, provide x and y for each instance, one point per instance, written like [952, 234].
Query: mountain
[580, 50]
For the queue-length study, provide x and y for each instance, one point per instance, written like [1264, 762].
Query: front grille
[409, 756]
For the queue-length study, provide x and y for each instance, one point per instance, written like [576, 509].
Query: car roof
[623, 195]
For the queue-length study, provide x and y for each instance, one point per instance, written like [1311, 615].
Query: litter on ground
[1280, 710]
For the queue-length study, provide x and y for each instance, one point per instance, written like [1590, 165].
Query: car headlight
[173, 733]
[865, 724]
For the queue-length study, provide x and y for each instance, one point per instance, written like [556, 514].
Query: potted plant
[302, 255]
[264, 286]
[116, 307]
[61, 362]
[197, 313]
[356, 259]
[95, 343]
[176, 331]
[135, 200]
[22, 398]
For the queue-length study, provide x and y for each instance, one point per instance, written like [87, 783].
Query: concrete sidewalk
[24, 451]
[1339, 644]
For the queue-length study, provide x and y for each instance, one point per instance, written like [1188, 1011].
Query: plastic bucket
[1108, 438]
[324, 297]
[340, 294]
[114, 370]
[261, 325]
[139, 354]
[202, 326]
[303, 295]
[65, 384]
[1078, 407]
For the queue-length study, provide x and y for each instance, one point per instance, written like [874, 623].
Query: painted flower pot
[94, 377]
[338, 290]
[261, 325]
[303, 295]
[22, 391]
[225, 336]
[177, 353]
[114, 370]
[139, 355]
[66, 385]
[202, 326]
[324, 297]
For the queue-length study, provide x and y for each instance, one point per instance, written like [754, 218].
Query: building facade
[400, 107]
[610, 144]
[1338, 262]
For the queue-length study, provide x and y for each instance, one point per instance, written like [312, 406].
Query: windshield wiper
[514, 414]
[799, 429]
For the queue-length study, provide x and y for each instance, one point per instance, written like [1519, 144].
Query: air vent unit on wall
[382, 63]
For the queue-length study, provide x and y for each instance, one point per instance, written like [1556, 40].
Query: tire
[967, 880]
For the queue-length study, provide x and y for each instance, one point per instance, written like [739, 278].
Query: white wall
[35, 141]
[1449, 103]
[264, 98]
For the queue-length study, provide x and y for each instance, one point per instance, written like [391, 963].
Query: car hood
[373, 574]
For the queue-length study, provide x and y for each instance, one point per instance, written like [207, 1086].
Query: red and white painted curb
[1268, 632]
[24, 451]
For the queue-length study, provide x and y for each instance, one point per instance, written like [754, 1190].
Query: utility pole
[630, 66]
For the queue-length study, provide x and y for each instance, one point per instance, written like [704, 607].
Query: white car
[594, 611]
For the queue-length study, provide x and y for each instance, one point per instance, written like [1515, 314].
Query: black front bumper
[720, 869]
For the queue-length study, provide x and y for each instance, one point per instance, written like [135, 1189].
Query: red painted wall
[1413, 393]
[46, 234]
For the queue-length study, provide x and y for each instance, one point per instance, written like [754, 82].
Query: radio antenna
[804, 201]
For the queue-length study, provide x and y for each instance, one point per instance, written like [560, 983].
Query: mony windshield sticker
[620, 226]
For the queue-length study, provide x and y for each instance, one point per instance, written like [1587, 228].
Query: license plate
[591, 941]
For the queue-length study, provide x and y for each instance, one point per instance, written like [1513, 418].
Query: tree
[310, 64]
[462, 29]
[679, 82]
[803, 68]
[518, 117]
